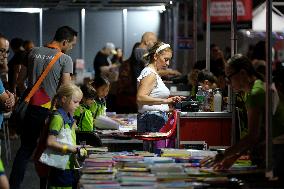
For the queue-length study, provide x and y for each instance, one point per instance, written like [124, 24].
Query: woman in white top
[152, 95]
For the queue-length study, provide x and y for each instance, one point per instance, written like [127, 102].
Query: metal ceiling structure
[104, 4]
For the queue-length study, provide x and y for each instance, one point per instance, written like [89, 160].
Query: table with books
[115, 138]
[173, 168]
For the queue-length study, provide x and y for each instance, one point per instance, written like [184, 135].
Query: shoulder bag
[22, 104]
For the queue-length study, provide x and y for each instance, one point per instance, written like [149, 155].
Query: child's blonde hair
[69, 90]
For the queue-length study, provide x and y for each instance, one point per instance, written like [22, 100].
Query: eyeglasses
[2, 50]
[228, 78]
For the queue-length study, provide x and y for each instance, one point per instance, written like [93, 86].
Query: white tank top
[159, 91]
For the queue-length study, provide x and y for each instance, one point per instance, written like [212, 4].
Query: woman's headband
[162, 47]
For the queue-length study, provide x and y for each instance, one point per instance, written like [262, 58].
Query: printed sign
[221, 11]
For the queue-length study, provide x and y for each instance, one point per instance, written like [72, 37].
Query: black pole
[268, 96]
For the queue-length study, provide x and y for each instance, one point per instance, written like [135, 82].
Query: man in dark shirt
[147, 41]
[102, 62]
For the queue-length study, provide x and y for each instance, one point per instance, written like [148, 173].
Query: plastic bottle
[206, 106]
[200, 96]
[210, 100]
[217, 101]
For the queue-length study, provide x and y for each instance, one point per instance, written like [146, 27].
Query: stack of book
[98, 171]
[136, 179]
[128, 170]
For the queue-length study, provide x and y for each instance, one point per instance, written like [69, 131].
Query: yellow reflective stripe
[46, 105]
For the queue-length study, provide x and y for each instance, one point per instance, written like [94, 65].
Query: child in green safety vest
[93, 104]
[62, 137]
[84, 114]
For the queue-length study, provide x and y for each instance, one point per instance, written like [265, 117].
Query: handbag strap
[42, 76]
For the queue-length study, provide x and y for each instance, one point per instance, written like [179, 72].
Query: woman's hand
[175, 99]
[226, 163]
[211, 161]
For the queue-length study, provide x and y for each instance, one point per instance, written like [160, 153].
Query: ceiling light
[27, 10]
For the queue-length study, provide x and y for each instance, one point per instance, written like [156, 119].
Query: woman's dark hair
[239, 62]
[100, 81]
[152, 51]
[206, 75]
[89, 92]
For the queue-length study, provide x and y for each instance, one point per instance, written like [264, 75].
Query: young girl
[102, 86]
[93, 103]
[67, 100]
[85, 115]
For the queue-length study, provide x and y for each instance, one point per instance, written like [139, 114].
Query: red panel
[221, 10]
[214, 131]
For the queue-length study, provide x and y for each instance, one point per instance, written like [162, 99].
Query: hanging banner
[221, 12]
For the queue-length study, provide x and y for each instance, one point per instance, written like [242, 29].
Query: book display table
[116, 140]
[174, 169]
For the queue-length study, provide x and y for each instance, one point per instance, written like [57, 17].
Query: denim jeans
[32, 124]
[151, 121]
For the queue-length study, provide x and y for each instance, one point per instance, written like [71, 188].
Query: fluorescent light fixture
[248, 33]
[124, 11]
[27, 10]
[160, 8]
[83, 12]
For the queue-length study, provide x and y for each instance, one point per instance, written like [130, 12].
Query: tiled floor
[31, 180]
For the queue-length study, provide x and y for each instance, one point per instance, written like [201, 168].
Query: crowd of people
[138, 82]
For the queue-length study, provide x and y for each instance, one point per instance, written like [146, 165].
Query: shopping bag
[54, 158]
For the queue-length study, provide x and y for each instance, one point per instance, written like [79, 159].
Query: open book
[105, 122]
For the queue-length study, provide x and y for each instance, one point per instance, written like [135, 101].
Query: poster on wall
[221, 14]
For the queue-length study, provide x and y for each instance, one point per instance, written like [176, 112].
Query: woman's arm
[145, 87]
[4, 183]
[253, 133]
[235, 151]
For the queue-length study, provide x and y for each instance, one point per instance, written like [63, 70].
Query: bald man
[147, 41]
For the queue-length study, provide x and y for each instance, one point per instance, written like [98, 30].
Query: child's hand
[82, 152]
